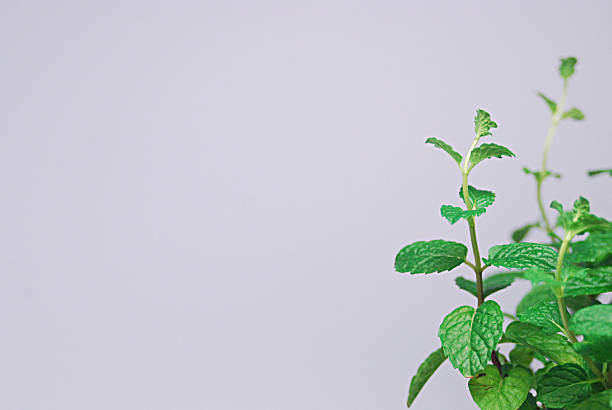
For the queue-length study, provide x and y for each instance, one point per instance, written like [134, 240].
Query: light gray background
[202, 201]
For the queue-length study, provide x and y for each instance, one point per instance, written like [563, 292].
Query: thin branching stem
[543, 174]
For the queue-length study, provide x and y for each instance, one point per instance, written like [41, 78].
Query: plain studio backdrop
[202, 201]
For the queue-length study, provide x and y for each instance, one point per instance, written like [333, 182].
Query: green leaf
[454, 213]
[444, 146]
[579, 220]
[530, 403]
[520, 234]
[576, 303]
[585, 281]
[424, 372]
[566, 69]
[600, 349]
[486, 151]
[574, 113]
[537, 276]
[483, 123]
[594, 249]
[599, 171]
[599, 401]
[545, 315]
[522, 355]
[432, 256]
[490, 285]
[480, 198]
[538, 174]
[563, 385]
[551, 104]
[554, 347]
[540, 293]
[469, 336]
[522, 255]
[593, 322]
[492, 392]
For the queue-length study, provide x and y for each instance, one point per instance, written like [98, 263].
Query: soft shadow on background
[202, 201]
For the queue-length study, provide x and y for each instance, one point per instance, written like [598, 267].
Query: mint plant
[560, 338]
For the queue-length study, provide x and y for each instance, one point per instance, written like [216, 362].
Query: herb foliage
[562, 326]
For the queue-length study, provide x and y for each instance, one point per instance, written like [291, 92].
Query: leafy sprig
[563, 305]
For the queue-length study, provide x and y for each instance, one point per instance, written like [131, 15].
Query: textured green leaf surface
[432, 256]
[540, 293]
[587, 281]
[599, 171]
[492, 392]
[598, 401]
[563, 385]
[566, 69]
[537, 276]
[454, 213]
[551, 104]
[574, 113]
[594, 249]
[593, 321]
[445, 147]
[483, 123]
[424, 372]
[554, 347]
[522, 255]
[479, 198]
[522, 355]
[469, 336]
[599, 349]
[520, 234]
[486, 151]
[580, 219]
[490, 284]
[544, 315]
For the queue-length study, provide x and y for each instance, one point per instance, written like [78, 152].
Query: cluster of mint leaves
[561, 335]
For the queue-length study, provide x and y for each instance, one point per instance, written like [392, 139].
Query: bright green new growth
[483, 123]
[580, 219]
[567, 67]
[444, 146]
[486, 151]
[454, 213]
[561, 325]
[470, 335]
[551, 104]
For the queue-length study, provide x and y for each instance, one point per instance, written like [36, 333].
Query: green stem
[563, 310]
[552, 129]
[547, 225]
[559, 291]
[472, 228]
[477, 265]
